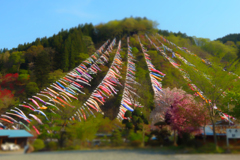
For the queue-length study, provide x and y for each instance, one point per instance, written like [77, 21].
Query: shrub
[52, 145]
[136, 138]
[38, 144]
[136, 143]
[117, 138]
[135, 50]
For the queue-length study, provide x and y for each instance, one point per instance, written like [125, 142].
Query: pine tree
[42, 69]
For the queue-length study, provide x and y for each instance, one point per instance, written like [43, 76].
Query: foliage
[134, 50]
[161, 135]
[16, 59]
[52, 145]
[42, 69]
[230, 37]
[80, 57]
[31, 89]
[37, 64]
[210, 78]
[116, 138]
[206, 48]
[86, 130]
[6, 99]
[135, 121]
[7, 96]
[9, 78]
[89, 44]
[188, 140]
[185, 114]
[57, 126]
[232, 98]
[127, 26]
[23, 78]
[188, 118]
[136, 138]
[218, 49]
[38, 144]
[56, 75]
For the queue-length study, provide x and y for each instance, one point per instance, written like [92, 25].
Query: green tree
[42, 69]
[137, 119]
[57, 126]
[23, 76]
[232, 99]
[81, 57]
[31, 89]
[135, 50]
[73, 45]
[4, 60]
[65, 55]
[137, 138]
[210, 79]
[213, 85]
[85, 130]
[6, 101]
[16, 59]
[56, 75]
[117, 138]
[32, 52]
[89, 44]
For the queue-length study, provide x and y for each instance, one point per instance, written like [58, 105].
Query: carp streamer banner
[105, 89]
[129, 97]
[155, 77]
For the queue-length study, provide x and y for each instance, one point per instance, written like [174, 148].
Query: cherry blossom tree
[170, 97]
[180, 111]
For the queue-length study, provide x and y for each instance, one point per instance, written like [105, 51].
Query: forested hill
[230, 37]
[30, 67]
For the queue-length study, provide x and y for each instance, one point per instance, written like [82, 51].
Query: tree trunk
[174, 138]
[214, 135]
[143, 137]
[204, 136]
[18, 68]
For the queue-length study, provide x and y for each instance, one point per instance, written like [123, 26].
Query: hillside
[75, 81]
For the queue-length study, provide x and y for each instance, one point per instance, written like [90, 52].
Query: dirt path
[116, 155]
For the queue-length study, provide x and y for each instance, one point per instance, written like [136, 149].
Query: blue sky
[25, 20]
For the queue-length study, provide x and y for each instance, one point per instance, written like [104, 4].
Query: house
[19, 137]
[220, 129]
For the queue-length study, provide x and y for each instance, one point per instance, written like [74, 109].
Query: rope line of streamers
[59, 94]
[129, 97]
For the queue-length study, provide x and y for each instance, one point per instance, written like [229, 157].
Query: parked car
[4, 147]
[13, 147]
[10, 146]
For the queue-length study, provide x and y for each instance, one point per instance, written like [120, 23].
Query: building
[19, 137]
[220, 129]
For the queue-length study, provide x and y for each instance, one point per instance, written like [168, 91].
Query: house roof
[220, 129]
[15, 133]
